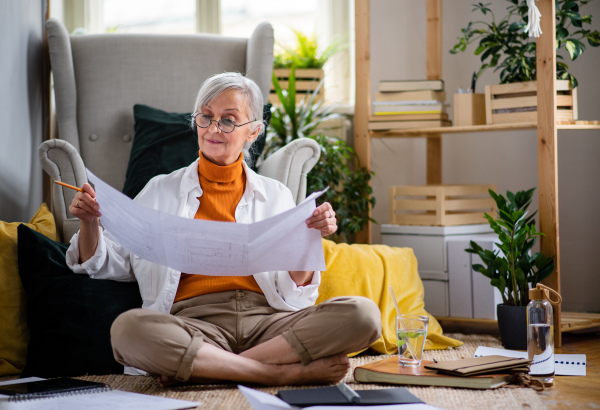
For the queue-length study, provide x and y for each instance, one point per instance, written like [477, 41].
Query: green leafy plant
[513, 268]
[290, 119]
[304, 53]
[504, 46]
[350, 193]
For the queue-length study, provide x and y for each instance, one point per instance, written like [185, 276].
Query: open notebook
[101, 398]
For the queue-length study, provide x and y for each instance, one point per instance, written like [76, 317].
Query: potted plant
[350, 193]
[505, 46]
[513, 269]
[306, 57]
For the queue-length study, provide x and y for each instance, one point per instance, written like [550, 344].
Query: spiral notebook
[70, 394]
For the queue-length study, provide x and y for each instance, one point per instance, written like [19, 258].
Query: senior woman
[262, 328]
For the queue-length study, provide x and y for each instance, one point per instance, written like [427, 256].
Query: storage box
[430, 245]
[441, 205]
[469, 109]
[517, 102]
[307, 79]
[470, 293]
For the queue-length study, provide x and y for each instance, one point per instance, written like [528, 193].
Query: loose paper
[564, 364]
[282, 242]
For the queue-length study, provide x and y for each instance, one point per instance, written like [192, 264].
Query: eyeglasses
[225, 125]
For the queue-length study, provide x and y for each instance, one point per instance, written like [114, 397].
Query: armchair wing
[291, 164]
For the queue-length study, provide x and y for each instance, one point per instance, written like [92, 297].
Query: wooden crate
[517, 102]
[307, 79]
[441, 205]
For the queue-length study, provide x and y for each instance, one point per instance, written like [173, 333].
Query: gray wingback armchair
[99, 78]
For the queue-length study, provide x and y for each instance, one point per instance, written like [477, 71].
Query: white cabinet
[451, 287]
[469, 292]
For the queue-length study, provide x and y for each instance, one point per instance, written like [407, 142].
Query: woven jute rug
[228, 397]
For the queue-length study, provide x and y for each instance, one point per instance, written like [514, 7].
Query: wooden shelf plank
[577, 127]
[571, 321]
[425, 132]
[417, 132]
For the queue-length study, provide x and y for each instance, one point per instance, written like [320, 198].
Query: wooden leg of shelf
[434, 39]
[434, 159]
[547, 150]
[362, 107]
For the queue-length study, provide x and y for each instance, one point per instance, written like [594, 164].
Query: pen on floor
[349, 393]
[68, 186]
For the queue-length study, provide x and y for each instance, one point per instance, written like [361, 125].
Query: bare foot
[327, 370]
[167, 381]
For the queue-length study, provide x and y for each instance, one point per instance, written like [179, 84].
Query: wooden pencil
[69, 186]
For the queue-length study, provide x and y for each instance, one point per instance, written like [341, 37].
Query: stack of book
[409, 104]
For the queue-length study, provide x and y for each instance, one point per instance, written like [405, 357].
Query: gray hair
[219, 83]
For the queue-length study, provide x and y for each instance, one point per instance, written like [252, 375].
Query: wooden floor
[576, 392]
[568, 392]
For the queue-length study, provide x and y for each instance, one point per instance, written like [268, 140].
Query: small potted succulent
[513, 268]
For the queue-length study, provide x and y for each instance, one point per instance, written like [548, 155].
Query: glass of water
[411, 331]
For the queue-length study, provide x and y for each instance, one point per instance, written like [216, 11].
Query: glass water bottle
[540, 335]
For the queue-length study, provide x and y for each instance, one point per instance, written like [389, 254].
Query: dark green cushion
[69, 315]
[165, 142]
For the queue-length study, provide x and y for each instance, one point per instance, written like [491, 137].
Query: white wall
[507, 159]
[21, 25]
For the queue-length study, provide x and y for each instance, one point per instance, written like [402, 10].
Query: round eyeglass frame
[194, 116]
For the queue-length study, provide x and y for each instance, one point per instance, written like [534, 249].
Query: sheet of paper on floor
[564, 364]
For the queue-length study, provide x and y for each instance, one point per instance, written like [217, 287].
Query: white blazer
[177, 194]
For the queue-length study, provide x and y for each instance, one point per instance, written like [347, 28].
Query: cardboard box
[469, 109]
[431, 247]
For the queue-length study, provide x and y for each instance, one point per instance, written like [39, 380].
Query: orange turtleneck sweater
[223, 187]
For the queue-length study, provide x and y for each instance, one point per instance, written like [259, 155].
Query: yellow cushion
[14, 334]
[368, 270]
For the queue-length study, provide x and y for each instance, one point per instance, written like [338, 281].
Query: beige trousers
[166, 344]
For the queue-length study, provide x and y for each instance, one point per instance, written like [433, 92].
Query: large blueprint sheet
[282, 242]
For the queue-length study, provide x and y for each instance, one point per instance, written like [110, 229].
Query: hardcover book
[411, 96]
[408, 117]
[409, 109]
[342, 394]
[390, 371]
[395, 125]
[411, 85]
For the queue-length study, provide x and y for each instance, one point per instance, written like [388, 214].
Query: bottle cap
[536, 294]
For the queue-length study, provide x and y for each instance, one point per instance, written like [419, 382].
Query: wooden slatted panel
[440, 205]
[523, 96]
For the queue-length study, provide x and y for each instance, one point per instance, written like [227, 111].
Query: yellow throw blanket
[368, 270]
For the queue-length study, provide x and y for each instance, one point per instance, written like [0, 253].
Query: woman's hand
[323, 219]
[84, 205]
